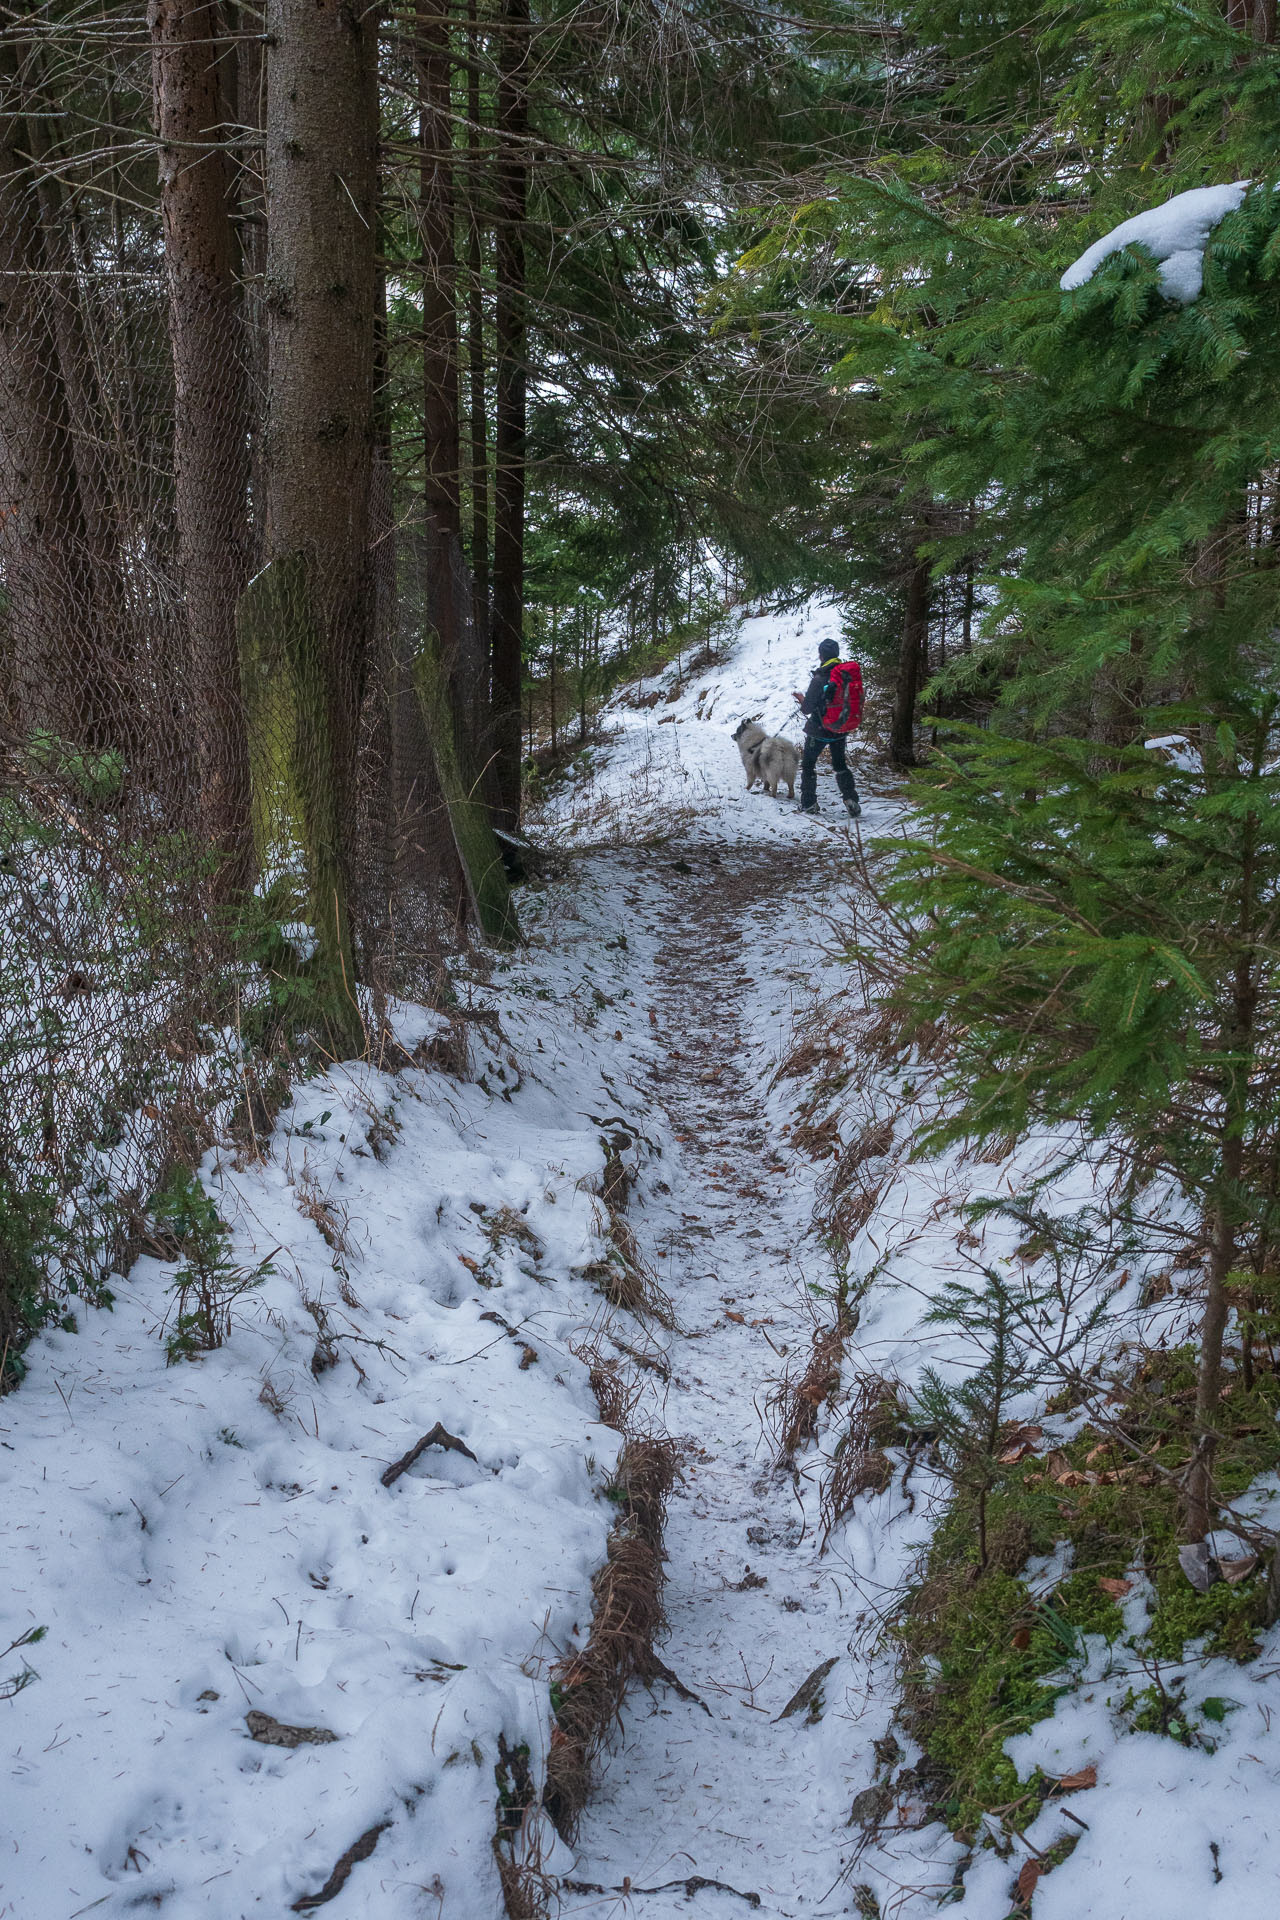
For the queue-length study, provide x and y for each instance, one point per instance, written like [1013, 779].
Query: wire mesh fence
[218, 790]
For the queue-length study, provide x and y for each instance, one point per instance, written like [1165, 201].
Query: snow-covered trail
[715, 1791]
[725, 1802]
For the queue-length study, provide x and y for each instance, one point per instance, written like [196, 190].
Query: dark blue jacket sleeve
[813, 703]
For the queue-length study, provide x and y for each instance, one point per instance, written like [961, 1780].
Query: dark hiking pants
[813, 745]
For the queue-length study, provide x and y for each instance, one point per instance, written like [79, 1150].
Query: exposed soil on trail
[706, 1802]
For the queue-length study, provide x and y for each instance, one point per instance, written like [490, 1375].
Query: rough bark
[510, 397]
[478, 420]
[248, 85]
[1240, 1043]
[321, 271]
[915, 631]
[478, 850]
[1116, 701]
[210, 423]
[1198, 1504]
[449, 589]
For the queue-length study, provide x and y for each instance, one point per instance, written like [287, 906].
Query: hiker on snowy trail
[832, 706]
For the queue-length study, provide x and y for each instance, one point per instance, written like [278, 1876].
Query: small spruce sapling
[967, 1416]
[209, 1282]
[28, 1231]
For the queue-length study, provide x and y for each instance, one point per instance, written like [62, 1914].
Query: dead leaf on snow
[1077, 1782]
[1018, 1443]
[1197, 1563]
[274, 1733]
[809, 1693]
[1019, 1431]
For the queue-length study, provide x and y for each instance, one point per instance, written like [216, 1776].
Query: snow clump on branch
[1176, 234]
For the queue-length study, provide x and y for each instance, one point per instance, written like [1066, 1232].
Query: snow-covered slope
[213, 1539]
[673, 763]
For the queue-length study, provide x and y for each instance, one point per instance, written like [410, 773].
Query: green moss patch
[984, 1659]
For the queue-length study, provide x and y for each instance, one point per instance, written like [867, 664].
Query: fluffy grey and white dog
[767, 757]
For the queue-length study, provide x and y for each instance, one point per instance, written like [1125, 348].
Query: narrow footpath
[727, 1803]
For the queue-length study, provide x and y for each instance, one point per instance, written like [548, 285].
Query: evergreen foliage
[1093, 918]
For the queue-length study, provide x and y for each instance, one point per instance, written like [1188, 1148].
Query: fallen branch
[659, 1670]
[275, 1733]
[694, 1884]
[437, 1437]
[358, 1850]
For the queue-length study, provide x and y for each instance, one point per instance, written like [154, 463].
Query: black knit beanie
[829, 650]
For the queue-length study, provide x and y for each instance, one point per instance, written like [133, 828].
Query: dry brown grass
[886, 1033]
[819, 1139]
[588, 1688]
[265, 1091]
[878, 1418]
[623, 1277]
[616, 1388]
[796, 1401]
[446, 1051]
[616, 1394]
[813, 1056]
[848, 1192]
[327, 1215]
[524, 1888]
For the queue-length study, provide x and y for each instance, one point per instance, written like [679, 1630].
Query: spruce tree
[1100, 927]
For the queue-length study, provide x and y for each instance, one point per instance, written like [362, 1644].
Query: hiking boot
[854, 809]
[800, 809]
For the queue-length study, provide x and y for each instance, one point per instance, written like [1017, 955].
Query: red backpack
[843, 692]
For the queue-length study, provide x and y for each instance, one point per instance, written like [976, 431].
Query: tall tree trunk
[321, 158]
[64, 664]
[510, 396]
[915, 633]
[1240, 1045]
[1198, 1505]
[448, 584]
[1116, 700]
[249, 113]
[478, 423]
[210, 421]
[555, 642]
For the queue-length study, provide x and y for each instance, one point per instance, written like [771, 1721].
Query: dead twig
[438, 1437]
[358, 1850]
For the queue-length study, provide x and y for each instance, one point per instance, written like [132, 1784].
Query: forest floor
[307, 1595]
